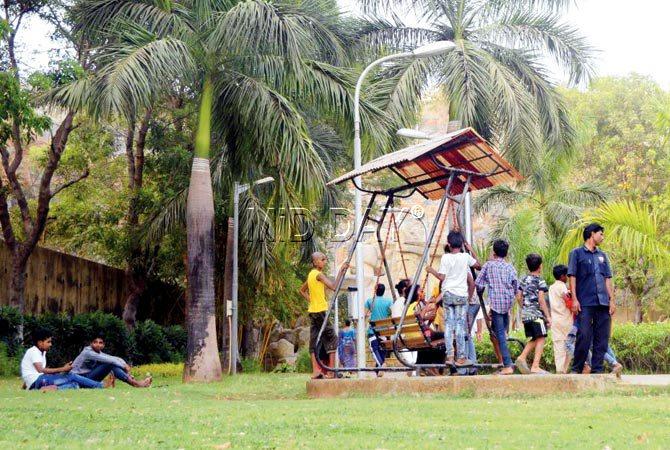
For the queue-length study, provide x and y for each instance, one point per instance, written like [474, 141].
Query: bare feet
[109, 382]
[538, 371]
[49, 388]
[522, 365]
[463, 362]
[586, 370]
[505, 371]
[617, 369]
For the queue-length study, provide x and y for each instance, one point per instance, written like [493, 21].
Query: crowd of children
[542, 307]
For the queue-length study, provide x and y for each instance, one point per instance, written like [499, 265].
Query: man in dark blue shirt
[593, 298]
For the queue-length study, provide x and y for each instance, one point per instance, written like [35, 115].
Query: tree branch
[66, 185]
[5, 221]
[17, 189]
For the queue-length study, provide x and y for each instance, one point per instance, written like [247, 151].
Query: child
[500, 278]
[534, 314]
[453, 273]
[95, 365]
[35, 373]
[377, 308]
[561, 317]
[346, 347]
[314, 291]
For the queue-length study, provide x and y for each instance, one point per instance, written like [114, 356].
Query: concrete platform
[478, 385]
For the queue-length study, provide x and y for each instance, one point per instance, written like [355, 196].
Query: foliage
[16, 109]
[641, 348]
[148, 343]
[9, 365]
[639, 250]
[535, 215]
[251, 365]
[303, 362]
[496, 78]
[623, 135]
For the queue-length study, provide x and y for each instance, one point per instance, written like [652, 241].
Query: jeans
[500, 323]
[593, 324]
[610, 357]
[471, 352]
[60, 380]
[454, 325]
[99, 372]
[377, 352]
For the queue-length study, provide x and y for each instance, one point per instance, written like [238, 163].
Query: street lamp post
[237, 190]
[432, 49]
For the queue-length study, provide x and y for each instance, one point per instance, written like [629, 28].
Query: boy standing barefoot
[314, 291]
[534, 313]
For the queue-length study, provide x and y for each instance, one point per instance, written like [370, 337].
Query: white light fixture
[413, 134]
[433, 49]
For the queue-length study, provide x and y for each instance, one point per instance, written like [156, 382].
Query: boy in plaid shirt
[500, 278]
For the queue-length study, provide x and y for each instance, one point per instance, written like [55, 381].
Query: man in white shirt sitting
[35, 373]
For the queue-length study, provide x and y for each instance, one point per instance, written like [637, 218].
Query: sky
[629, 37]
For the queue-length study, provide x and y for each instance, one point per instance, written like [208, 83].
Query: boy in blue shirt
[377, 308]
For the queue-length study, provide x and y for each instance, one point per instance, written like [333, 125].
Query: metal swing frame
[451, 175]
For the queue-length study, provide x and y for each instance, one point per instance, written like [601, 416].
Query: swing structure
[444, 169]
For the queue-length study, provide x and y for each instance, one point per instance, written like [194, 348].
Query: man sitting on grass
[35, 373]
[94, 365]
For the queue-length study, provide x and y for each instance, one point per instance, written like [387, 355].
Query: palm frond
[130, 76]
[631, 231]
[501, 196]
[543, 32]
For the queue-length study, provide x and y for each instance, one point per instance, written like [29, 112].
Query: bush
[251, 365]
[643, 348]
[303, 363]
[148, 343]
[9, 366]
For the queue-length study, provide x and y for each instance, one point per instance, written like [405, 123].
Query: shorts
[328, 337]
[535, 329]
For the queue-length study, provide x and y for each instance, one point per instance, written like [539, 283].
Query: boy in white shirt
[34, 369]
[453, 273]
[561, 317]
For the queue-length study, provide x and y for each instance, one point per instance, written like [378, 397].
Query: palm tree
[636, 242]
[259, 71]
[496, 80]
[535, 215]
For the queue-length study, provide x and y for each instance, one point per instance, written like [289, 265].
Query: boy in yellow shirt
[314, 291]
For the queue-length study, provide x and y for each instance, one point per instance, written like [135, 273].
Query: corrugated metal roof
[462, 150]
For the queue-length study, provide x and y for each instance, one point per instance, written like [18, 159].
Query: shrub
[251, 365]
[148, 343]
[9, 366]
[643, 348]
[303, 363]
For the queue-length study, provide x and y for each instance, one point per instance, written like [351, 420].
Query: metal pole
[468, 217]
[360, 275]
[236, 226]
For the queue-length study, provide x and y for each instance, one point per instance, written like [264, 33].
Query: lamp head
[434, 48]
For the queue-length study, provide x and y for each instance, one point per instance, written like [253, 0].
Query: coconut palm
[535, 215]
[497, 79]
[636, 243]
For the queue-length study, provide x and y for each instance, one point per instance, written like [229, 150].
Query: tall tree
[496, 79]
[19, 124]
[252, 65]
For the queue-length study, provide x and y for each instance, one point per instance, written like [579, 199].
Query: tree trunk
[202, 354]
[136, 270]
[639, 313]
[17, 283]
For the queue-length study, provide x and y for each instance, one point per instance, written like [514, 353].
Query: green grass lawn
[272, 411]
